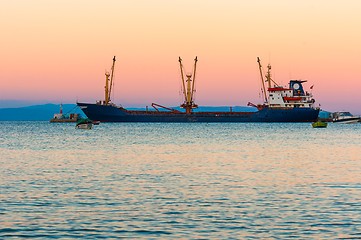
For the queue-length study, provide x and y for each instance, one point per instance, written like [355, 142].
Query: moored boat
[345, 117]
[84, 123]
[319, 124]
[64, 118]
[96, 122]
[281, 104]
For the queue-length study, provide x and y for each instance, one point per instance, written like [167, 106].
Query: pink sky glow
[58, 51]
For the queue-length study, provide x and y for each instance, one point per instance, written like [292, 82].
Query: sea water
[180, 180]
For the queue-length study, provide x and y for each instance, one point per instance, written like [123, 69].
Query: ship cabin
[291, 97]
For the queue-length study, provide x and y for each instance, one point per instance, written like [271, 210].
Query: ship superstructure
[293, 96]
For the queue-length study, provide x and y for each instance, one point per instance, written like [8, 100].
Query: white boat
[345, 117]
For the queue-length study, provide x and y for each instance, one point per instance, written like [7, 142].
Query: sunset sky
[57, 51]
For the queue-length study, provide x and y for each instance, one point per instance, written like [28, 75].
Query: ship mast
[269, 78]
[108, 87]
[268, 75]
[188, 90]
[263, 86]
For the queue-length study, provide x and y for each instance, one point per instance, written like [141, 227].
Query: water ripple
[188, 181]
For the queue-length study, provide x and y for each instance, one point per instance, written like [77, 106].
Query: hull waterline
[109, 113]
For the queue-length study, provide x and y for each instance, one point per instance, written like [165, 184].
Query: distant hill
[13, 103]
[46, 111]
[36, 113]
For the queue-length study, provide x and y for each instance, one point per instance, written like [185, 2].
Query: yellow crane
[263, 86]
[268, 78]
[109, 83]
[188, 87]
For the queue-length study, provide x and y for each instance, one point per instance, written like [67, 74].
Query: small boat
[84, 123]
[64, 118]
[96, 122]
[345, 117]
[319, 124]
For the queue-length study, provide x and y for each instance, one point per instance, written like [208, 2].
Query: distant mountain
[324, 115]
[36, 113]
[46, 111]
[13, 103]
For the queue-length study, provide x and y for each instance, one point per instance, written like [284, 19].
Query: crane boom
[183, 83]
[194, 78]
[263, 86]
[111, 79]
[106, 88]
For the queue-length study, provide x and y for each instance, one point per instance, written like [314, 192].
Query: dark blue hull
[106, 113]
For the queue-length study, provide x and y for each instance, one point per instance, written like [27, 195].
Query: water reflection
[180, 181]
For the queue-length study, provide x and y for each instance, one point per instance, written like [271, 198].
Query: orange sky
[57, 51]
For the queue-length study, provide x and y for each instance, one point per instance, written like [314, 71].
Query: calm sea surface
[189, 181]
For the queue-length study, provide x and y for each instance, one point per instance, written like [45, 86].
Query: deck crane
[188, 87]
[268, 78]
[263, 86]
[109, 83]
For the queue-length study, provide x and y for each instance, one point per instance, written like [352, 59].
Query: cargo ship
[280, 104]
